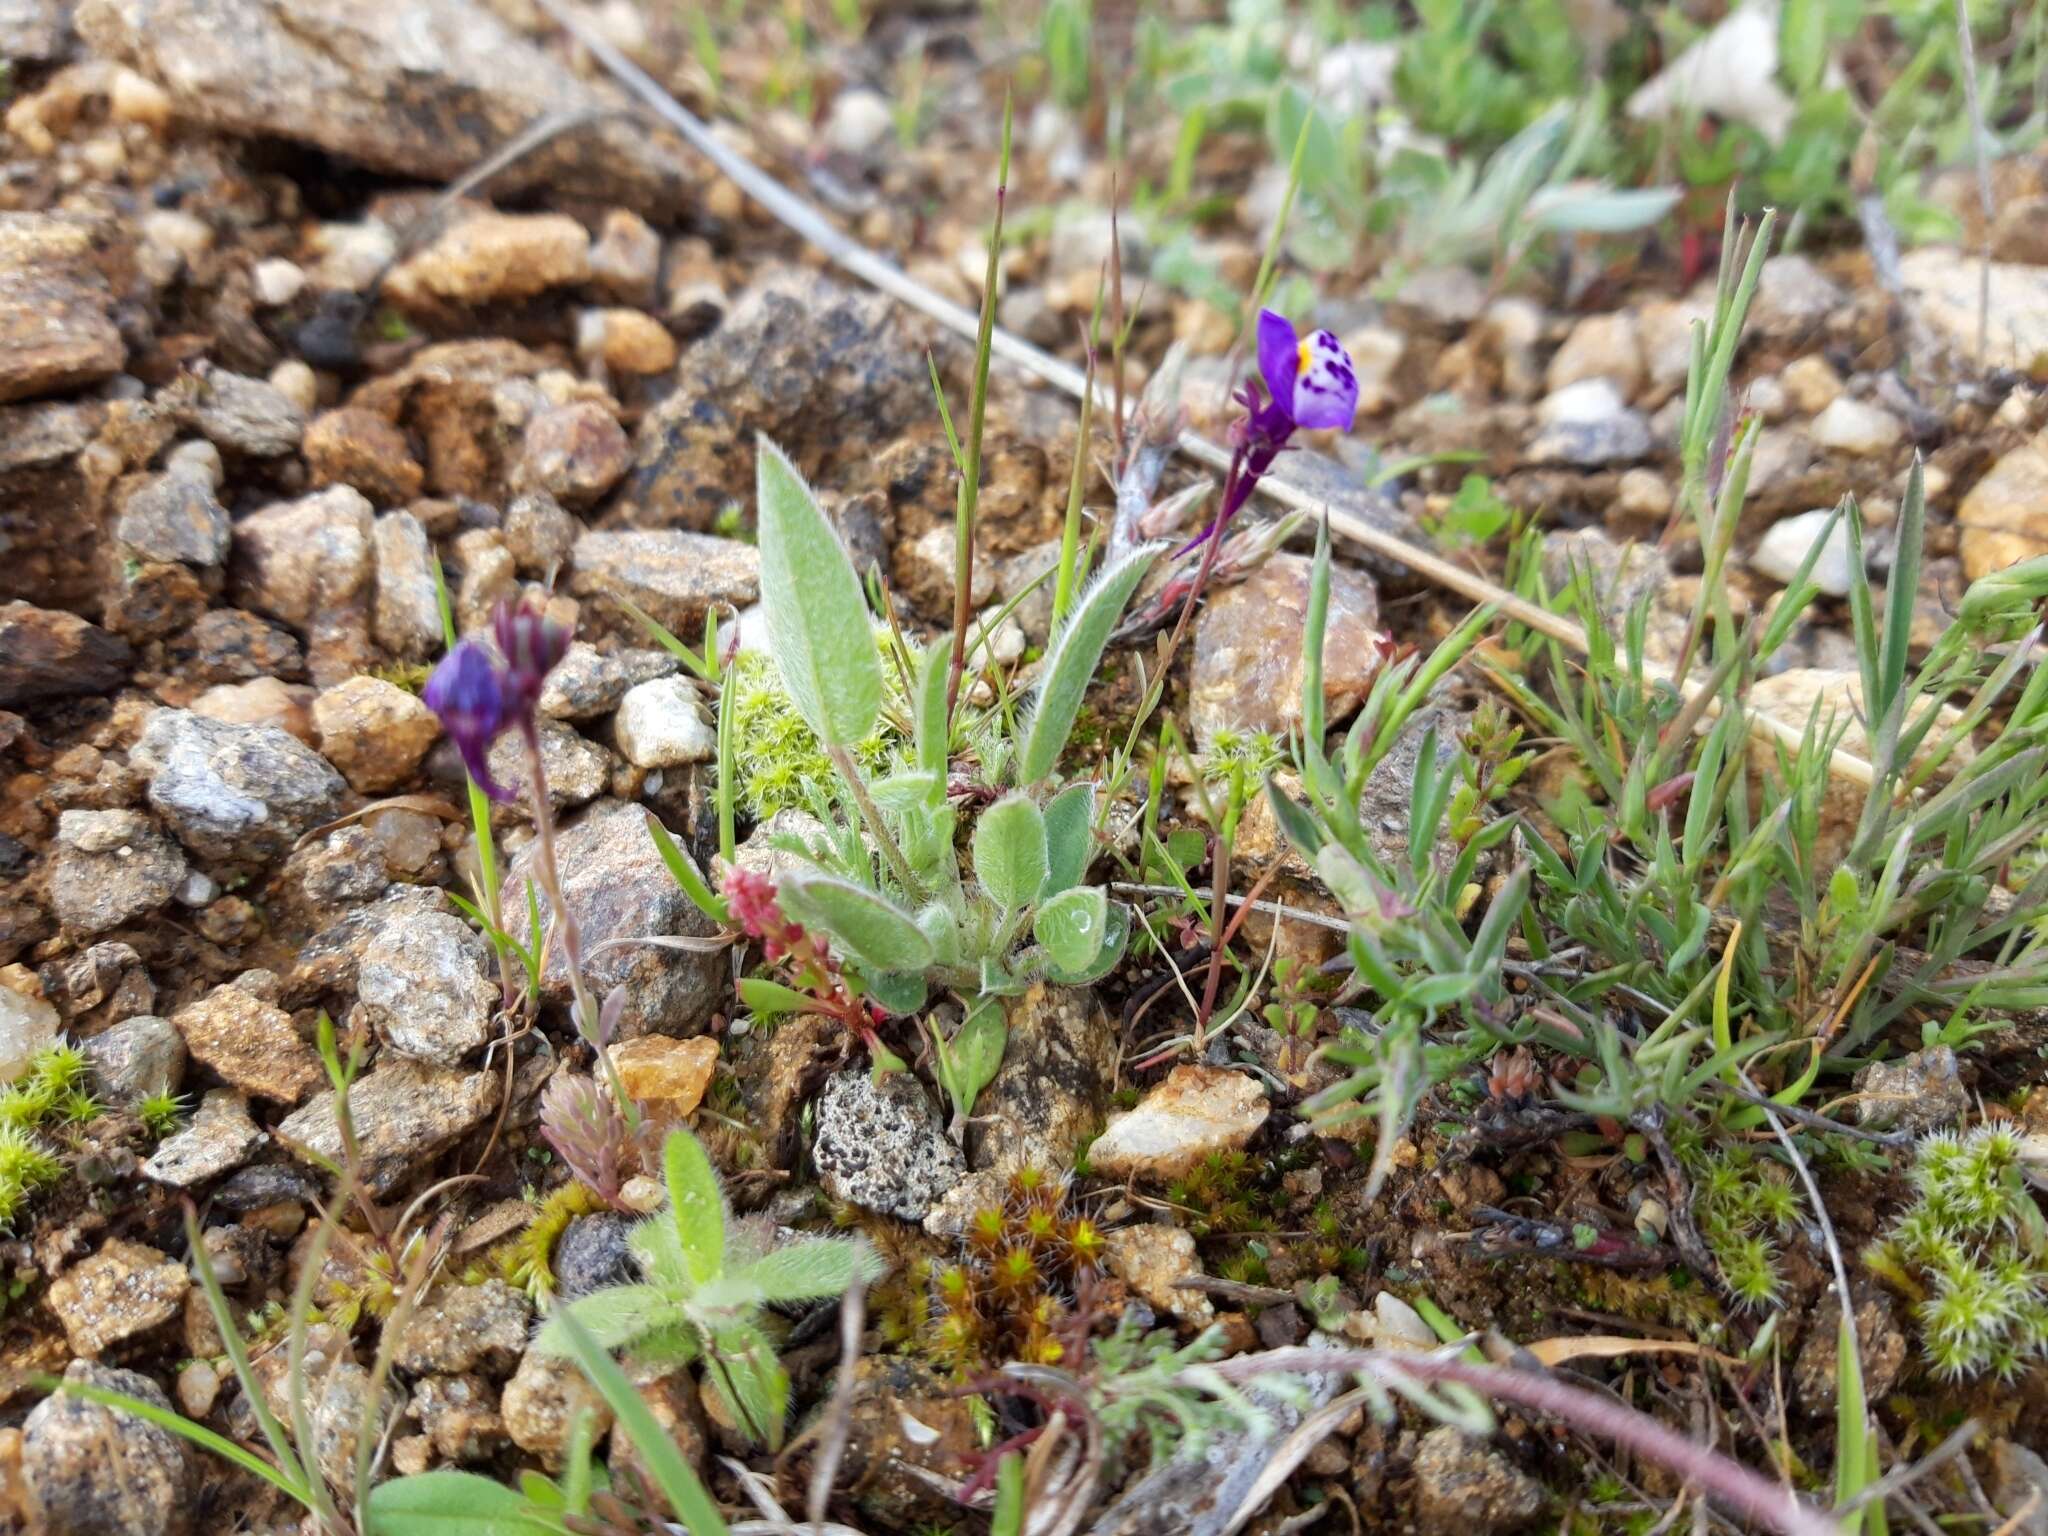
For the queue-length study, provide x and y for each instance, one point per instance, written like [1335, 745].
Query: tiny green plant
[162, 1113]
[704, 1280]
[1407, 937]
[50, 1095]
[1972, 1252]
[884, 896]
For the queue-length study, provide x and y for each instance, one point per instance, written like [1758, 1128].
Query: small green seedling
[704, 1282]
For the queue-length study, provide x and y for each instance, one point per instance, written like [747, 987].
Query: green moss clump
[776, 760]
[1972, 1252]
[52, 1090]
[1744, 1205]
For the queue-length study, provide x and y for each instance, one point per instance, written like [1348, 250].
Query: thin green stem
[585, 1005]
[1070, 533]
[871, 816]
[970, 478]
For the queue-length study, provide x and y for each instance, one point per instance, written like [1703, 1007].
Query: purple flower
[1310, 378]
[1310, 382]
[531, 644]
[469, 693]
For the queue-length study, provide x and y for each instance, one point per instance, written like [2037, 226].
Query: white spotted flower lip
[1310, 378]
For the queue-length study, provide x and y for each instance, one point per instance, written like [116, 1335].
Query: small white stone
[132, 98]
[177, 231]
[276, 281]
[1397, 1325]
[1643, 493]
[27, 1025]
[198, 461]
[1811, 383]
[859, 121]
[662, 724]
[1587, 400]
[297, 383]
[1768, 399]
[1786, 543]
[1852, 426]
[351, 255]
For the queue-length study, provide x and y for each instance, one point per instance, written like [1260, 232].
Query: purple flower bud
[531, 644]
[468, 692]
[1310, 378]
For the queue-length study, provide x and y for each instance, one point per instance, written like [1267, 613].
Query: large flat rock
[425, 89]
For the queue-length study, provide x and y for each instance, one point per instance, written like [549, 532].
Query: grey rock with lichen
[404, 1111]
[587, 682]
[110, 868]
[219, 1139]
[1920, 1092]
[136, 1058]
[1052, 1089]
[423, 984]
[824, 368]
[880, 1146]
[423, 90]
[248, 415]
[592, 1253]
[618, 888]
[241, 793]
[96, 1471]
[466, 1328]
[174, 517]
[1465, 1487]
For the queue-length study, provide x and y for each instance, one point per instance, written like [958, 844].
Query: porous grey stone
[404, 1111]
[1464, 1487]
[248, 415]
[466, 1328]
[617, 886]
[97, 1471]
[175, 517]
[219, 1140]
[881, 1146]
[136, 1058]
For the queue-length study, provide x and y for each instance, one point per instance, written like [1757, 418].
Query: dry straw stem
[805, 220]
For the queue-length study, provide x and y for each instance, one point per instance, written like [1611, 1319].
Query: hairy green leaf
[1070, 664]
[969, 1060]
[769, 998]
[1073, 926]
[812, 1267]
[1106, 958]
[897, 992]
[446, 1502]
[615, 1317]
[696, 1204]
[743, 1368]
[1009, 851]
[941, 926]
[1069, 836]
[873, 929]
[930, 727]
[816, 616]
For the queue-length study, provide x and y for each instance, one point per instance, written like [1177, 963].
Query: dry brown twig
[803, 219]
